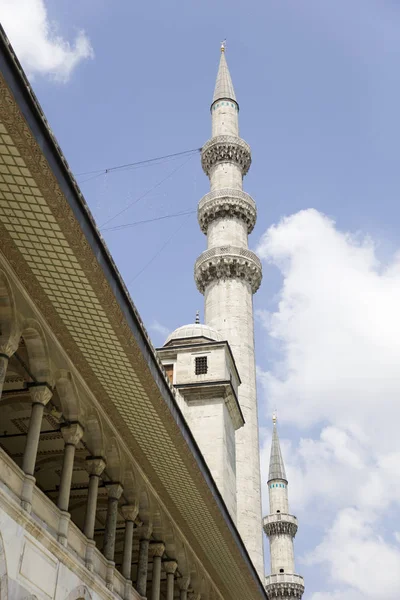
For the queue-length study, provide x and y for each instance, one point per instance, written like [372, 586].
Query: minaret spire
[228, 274]
[281, 528]
[276, 466]
[223, 85]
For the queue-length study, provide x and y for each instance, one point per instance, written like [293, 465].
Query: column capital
[157, 549]
[183, 582]
[40, 393]
[146, 530]
[72, 433]
[130, 511]
[95, 465]
[170, 566]
[8, 347]
[114, 490]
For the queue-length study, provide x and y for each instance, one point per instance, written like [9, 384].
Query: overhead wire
[152, 259]
[146, 193]
[138, 163]
[127, 225]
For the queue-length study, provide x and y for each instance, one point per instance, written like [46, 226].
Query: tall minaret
[280, 527]
[228, 274]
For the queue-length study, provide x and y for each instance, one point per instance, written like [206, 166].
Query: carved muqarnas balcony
[284, 585]
[225, 148]
[227, 203]
[280, 524]
[227, 262]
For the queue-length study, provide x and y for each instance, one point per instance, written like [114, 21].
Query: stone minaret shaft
[228, 274]
[281, 528]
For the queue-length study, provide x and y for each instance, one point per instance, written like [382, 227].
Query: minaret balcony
[280, 524]
[227, 203]
[225, 148]
[284, 585]
[227, 262]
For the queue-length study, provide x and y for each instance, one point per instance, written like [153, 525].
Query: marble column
[94, 466]
[157, 550]
[129, 512]
[170, 567]
[143, 562]
[72, 433]
[40, 395]
[114, 491]
[183, 584]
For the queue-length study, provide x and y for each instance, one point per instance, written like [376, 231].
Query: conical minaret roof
[223, 85]
[276, 466]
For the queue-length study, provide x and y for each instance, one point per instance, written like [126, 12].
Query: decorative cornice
[227, 262]
[225, 148]
[282, 527]
[227, 202]
[284, 585]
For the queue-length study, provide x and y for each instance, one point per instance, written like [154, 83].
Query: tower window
[281, 570]
[169, 369]
[201, 366]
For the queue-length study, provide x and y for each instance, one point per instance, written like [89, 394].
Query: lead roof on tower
[223, 85]
[276, 466]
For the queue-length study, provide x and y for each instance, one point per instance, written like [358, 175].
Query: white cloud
[37, 43]
[360, 557]
[337, 379]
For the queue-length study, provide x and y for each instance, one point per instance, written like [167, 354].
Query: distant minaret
[280, 527]
[228, 274]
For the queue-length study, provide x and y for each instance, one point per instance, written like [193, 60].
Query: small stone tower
[228, 274]
[280, 527]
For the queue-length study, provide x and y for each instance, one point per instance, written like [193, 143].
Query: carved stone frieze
[225, 148]
[284, 586]
[227, 262]
[227, 203]
[280, 527]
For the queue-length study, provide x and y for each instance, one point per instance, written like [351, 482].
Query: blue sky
[318, 88]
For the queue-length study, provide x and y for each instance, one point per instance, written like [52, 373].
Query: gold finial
[223, 45]
[274, 417]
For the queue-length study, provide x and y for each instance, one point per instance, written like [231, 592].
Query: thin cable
[126, 225]
[158, 251]
[145, 193]
[140, 162]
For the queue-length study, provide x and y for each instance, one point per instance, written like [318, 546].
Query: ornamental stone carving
[285, 590]
[285, 585]
[225, 148]
[227, 203]
[280, 527]
[281, 523]
[72, 433]
[227, 262]
[157, 549]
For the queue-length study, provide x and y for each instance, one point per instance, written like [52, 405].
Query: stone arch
[94, 433]
[145, 506]
[68, 395]
[79, 593]
[8, 317]
[115, 460]
[3, 572]
[38, 353]
[181, 557]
